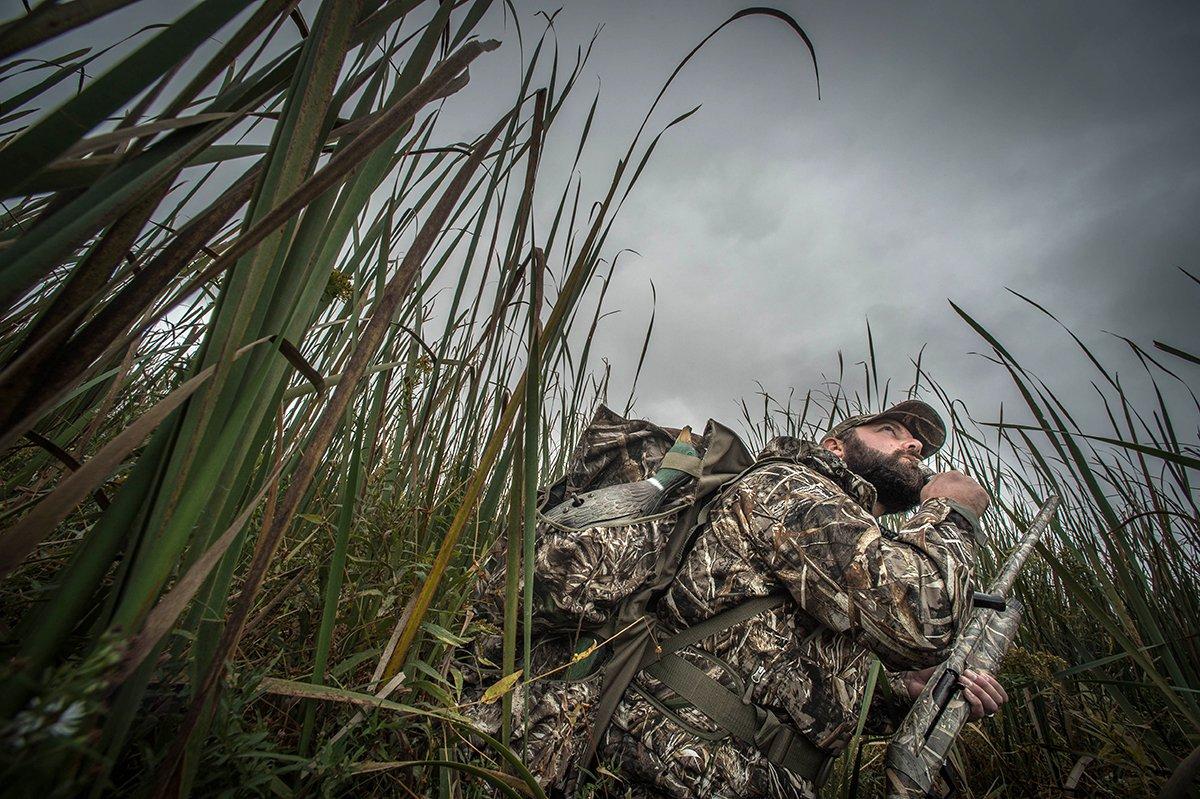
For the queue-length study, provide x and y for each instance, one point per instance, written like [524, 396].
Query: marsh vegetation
[280, 360]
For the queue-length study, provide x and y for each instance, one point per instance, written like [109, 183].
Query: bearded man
[762, 706]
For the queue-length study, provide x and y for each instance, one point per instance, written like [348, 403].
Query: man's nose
[913, 446]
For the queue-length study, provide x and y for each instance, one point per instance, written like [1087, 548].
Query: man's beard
[897, 482]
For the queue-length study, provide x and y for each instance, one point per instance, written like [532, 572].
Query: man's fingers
[983, 693]
[992, 686]
[971, 694]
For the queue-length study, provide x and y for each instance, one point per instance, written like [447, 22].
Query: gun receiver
[918, 750]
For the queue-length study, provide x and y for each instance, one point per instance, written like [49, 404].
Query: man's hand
[959, 488]
[981, 690]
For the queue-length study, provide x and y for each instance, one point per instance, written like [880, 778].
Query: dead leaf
[501, 687]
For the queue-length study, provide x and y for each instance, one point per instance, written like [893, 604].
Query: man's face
[885, 454]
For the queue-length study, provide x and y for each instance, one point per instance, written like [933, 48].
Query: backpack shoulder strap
[723, 621]
[782, 744]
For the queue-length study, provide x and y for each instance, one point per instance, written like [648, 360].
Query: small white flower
[68, 721]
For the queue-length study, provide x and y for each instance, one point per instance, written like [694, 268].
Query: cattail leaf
[67, 459]
[172, 604]
[40, 522]
[55, 134]
[120, 136]
[347, 159]
[37, 252]
[442, 634]
[1178, 353]
[1133, 446]
[65, 71]
[48, 20]
[329, 693]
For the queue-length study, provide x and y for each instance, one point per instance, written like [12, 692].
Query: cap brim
[918, 417]
[921, 420]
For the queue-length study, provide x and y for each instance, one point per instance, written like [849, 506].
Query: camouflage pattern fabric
[920, 745]
[803, 525]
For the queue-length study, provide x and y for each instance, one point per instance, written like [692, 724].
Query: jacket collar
[823, 462]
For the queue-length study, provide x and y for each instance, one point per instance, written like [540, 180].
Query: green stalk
[513, 568]
[532, 446]
[337, 570]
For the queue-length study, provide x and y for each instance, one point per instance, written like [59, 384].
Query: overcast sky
[958, 149]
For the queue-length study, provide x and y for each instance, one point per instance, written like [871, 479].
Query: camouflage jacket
[802, 524]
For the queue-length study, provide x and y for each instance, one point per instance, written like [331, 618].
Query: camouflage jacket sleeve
[905, 596]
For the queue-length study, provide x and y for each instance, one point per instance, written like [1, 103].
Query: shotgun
[917, 752]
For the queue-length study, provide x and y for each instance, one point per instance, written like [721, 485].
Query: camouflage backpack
[603, 526]
[612, 534]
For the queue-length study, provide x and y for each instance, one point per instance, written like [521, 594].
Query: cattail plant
[214, 349]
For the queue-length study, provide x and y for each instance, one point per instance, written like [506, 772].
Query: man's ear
[833, 445]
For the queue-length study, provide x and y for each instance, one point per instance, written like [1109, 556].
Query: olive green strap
[723, 621]
[707, 695]
[637, 647]
[781, 744]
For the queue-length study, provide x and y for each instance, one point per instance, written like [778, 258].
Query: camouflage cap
[920, 418]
